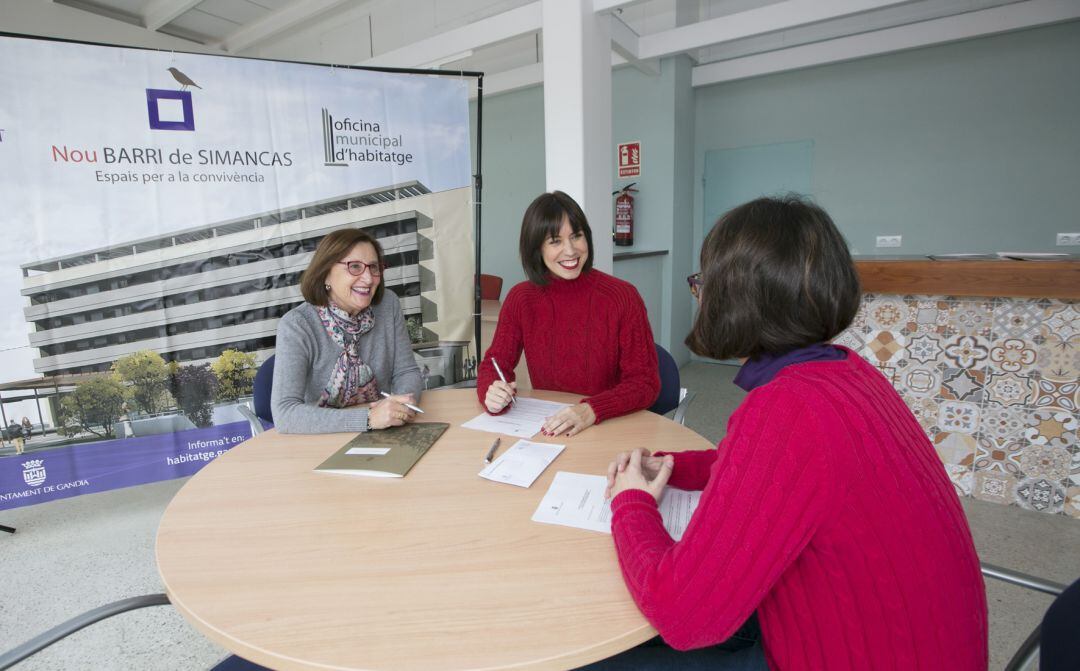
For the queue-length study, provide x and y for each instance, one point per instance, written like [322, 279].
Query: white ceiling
[726, 39]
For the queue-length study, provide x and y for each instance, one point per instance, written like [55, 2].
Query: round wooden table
[441, 569]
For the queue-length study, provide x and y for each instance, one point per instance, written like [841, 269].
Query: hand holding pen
[500, 393]
[410, 406]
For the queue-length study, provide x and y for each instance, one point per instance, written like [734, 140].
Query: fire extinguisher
[624, 215]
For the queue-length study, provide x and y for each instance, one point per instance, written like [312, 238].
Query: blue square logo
[154, 98]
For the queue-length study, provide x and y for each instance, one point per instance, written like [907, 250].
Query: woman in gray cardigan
[345, 345]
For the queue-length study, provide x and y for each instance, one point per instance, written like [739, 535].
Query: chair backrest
[490, 287]
[1060, 644]
[264, 384]
[668, 399]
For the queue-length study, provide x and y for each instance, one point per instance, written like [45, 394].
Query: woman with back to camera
[347, 343]
[825, 508]
[582, 330]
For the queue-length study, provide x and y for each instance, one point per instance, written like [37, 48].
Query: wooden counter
[1004, 277]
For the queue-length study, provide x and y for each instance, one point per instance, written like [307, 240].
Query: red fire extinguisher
[624, 215]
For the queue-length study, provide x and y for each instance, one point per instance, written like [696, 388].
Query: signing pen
[502, 377]
[410, 406]
[491, 452]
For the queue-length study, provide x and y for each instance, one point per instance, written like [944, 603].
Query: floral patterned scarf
[352, 382]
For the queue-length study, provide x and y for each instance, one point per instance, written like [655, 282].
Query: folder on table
[388, 453]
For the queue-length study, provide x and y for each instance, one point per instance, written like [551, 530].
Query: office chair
[1061, 637]
[490, 287]
[264, 384]
[42, 641]
[672, 396]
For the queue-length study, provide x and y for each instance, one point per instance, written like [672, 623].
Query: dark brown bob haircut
[333, 248]
[777, 275]
[542, 221]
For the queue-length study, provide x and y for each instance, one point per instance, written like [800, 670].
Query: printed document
[522, 464]
[523, 419]
[577, 500]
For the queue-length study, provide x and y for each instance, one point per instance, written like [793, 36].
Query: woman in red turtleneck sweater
[582, 331]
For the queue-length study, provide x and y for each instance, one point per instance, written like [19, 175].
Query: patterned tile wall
[995, 382]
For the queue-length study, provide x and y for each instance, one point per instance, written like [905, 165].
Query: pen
[502, 377]
[491, 452]
[410, 406]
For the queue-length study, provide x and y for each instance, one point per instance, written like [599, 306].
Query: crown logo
[33, 463]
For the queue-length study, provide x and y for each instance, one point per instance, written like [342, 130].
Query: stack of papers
[522, 464]
[576, 500]
[524, 418]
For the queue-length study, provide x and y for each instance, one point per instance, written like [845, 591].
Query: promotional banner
[159, 209]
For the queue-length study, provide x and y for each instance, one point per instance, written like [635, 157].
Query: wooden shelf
[1007, 278]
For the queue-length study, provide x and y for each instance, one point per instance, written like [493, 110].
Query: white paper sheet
[522, 464]
[375, 451]
[577, 500]
[523, 419]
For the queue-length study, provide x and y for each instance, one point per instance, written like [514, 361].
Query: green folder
[388, 453]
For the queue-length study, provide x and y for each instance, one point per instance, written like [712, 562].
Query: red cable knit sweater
[826, 509]
[588, 336]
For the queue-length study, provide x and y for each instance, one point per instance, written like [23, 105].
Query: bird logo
[183, 79]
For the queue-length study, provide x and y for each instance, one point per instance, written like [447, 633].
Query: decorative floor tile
[1041, 495]
[1055, 394]
[1072, 502]
[962, 477]
[958, 416]
[967, 351]
[927, 315]
[1048, 426]
[924, 348]
[925, 411]
[957, 449]
[1062, 320]
[1017, 318]
[1059, 359]
[919, 381]
[886, 313]
[852, 339]
[961, 384]
[1003, 422]
[971, 318]
[884, 347]
[1009, 389]
[1012, 355]
[991, 455]
[1045, 461]
[994, 487]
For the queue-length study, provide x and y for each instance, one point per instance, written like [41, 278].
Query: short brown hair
[777, 275]
[543, 219]
[332, 249]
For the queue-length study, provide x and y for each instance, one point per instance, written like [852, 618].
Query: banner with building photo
[158, 209]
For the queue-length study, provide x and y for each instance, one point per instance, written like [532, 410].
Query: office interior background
[949, 123]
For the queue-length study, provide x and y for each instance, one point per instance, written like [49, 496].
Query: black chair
[264, 384]
[672, 396]
[1061, 638]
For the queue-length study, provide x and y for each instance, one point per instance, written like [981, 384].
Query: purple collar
[764, 367]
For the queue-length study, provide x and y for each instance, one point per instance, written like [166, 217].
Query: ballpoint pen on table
[410, 406]
[491, 452]
[502, 377]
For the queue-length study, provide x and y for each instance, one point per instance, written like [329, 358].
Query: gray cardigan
[306, 356]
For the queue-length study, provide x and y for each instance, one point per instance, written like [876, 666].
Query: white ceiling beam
[276, 22]
[513, 80]
[1002, 19]
[612, 5]
[768, 19]
[624, 42]
[514, 23]
[160, 12]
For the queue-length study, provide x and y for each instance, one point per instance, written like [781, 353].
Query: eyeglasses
[357, 268]
[695, 283]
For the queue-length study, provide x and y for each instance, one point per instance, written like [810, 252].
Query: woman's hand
[639, 470]
[390, 411]
[571, 421]
[499, 394]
